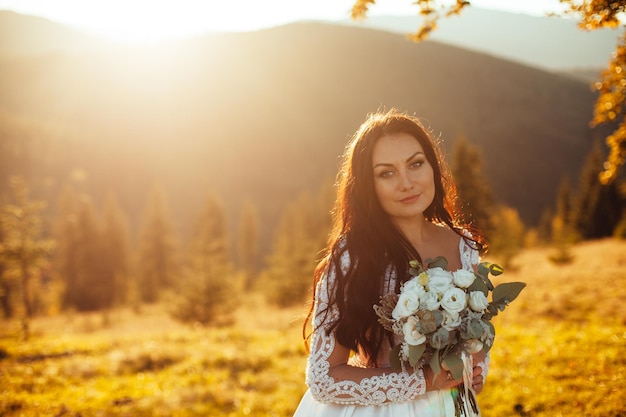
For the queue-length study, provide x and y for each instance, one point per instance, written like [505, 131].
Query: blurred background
[167, 170]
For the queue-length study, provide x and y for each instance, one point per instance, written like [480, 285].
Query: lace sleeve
[360, 387]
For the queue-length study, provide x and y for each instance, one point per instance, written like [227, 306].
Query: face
[403, 177]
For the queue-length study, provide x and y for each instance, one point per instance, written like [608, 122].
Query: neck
[417, 231]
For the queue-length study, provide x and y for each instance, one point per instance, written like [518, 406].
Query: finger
[477, 388]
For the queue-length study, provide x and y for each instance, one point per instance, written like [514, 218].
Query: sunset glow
[144, 20]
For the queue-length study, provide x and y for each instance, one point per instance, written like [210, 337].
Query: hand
[443, 380]
[477, 379]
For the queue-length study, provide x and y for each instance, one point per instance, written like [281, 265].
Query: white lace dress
[392, 394]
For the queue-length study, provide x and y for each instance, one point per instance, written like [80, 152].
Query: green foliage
[248, 244]
[209, 291]
[82, 261]
[299, 238]
[23, 250]
[563, 237]
[507, 239]
[472, 185]
[562, 231]
[157, 249]
[116, 250]
[598, 206]
[620, 229]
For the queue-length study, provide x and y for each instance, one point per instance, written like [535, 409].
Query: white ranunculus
[478, 301]
[463, 278]
[450, 320]
[439, 280]
[408, 303]
[430, 300]
[413, 285]
[411, 332]
[454, 300]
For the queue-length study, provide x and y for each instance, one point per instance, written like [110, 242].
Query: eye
[416, 163]
[386, 173]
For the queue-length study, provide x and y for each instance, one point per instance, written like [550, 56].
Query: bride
[395, 202]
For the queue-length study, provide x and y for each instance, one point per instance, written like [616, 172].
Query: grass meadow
[560, 351]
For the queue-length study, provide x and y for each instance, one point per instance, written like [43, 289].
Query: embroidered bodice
[390, 386]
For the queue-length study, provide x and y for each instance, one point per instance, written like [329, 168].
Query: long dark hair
[374, 244]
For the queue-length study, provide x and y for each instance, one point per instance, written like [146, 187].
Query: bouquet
[443, 318]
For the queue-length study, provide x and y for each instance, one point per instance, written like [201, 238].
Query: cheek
[383, 191]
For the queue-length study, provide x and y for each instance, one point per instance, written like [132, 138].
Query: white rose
[450, 320]
[411, 334]
[478, 301]
[430, 300]
[440, 280]
[408, 303]
[463, 278]
[413, 285]
[454, 300]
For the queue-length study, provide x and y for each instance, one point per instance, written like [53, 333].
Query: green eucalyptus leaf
[415, 353]
[483, 268]
[478, 285]
[394, 358]
[507, 292]
[414, 272]
[438, 262]
[455, 365]
[491, 328]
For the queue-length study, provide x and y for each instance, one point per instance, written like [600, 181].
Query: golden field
[559, 351]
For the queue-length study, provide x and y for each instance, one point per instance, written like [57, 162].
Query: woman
[395, 202]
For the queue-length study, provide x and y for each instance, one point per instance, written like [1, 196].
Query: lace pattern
[376, 390]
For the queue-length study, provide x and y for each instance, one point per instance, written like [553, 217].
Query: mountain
[264, 116]
[22, 35]
[551, 43]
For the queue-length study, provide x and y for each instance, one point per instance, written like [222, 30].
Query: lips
[410, 199]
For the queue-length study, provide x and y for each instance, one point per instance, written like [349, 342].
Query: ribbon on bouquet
[468, 404]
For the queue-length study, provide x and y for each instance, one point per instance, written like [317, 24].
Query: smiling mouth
[410, 198]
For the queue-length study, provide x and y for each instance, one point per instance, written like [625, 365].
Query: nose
[405, 181]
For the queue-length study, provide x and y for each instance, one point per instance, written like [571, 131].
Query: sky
[150, 20]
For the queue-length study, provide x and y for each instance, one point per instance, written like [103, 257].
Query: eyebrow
[383, 164]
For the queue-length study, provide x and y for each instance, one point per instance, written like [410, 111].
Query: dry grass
[559, 352]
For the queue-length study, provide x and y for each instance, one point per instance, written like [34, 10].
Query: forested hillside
[262, 116]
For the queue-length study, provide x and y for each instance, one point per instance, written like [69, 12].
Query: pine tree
[157, 250]
[209, 290]
[563, 234]
[94, 289]
[116, 249]
[66, 255]
[508, 237]
[473, 188]
[598, 207]
[23, 249]
[299, 237]
[248, 244]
